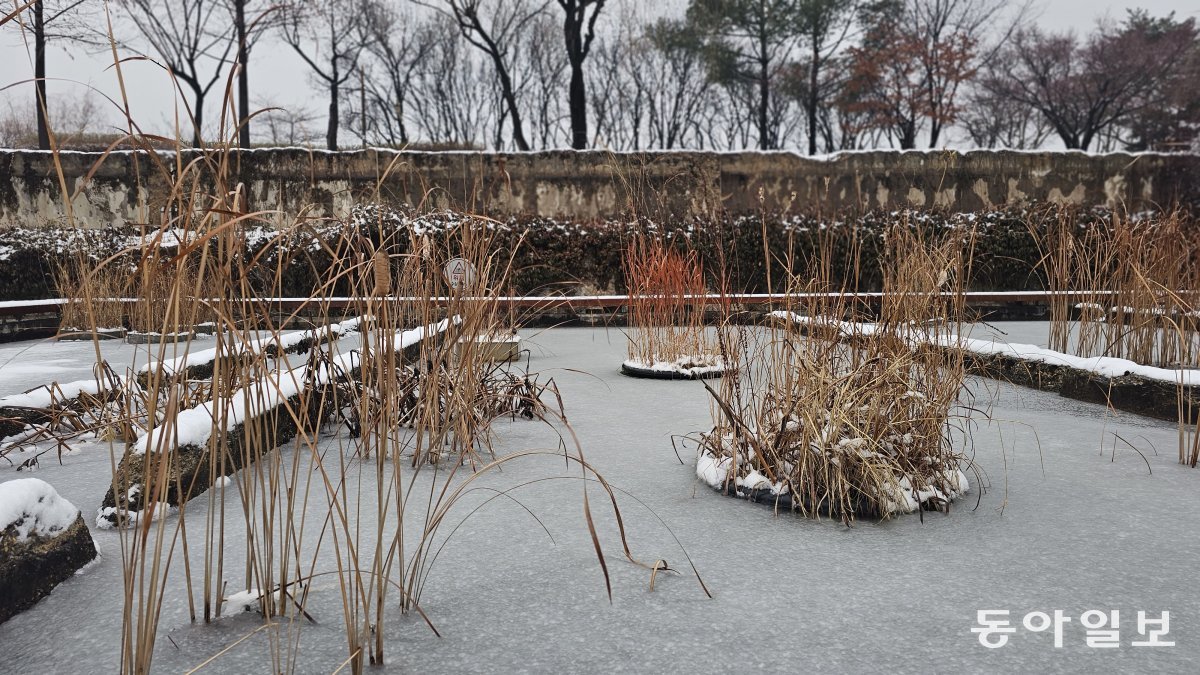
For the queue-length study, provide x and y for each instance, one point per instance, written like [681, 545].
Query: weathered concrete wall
[127, 187]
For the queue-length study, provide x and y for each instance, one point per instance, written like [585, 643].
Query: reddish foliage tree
[1114, 78]
[902, 79]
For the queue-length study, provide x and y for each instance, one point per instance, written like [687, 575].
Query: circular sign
[460, 273]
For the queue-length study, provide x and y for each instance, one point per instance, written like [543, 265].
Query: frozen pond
[1065, 523]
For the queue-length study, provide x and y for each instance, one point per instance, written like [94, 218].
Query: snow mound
[246, 601]
[34, 508]
[106, 516]
[713, 471]
[903, 497]
[900, 496]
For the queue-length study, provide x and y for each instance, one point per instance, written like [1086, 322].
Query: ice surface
[1070, 519]
[32, 507]
[26, 365]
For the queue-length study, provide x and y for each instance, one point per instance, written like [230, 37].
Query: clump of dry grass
[1123, 288]
[334, 453]
[666, 320]
[1130, 289]
[844, 418]
[92, 297]
[155, 292]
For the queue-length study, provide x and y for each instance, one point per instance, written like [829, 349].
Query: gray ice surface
[1065, 523]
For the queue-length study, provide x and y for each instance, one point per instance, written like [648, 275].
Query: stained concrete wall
[131, 188]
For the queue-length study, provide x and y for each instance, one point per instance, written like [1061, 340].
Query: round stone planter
[649, 373]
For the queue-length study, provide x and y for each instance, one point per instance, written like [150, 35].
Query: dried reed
[843, 418]
[666, 321]
[418, 423]
[1127, 288]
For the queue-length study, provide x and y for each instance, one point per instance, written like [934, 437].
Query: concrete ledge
[1130, 393]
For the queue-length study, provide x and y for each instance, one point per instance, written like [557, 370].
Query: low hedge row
[578, 256]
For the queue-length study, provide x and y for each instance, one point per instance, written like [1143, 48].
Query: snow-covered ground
[1066, 523]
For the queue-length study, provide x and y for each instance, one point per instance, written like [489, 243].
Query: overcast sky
[279, 78]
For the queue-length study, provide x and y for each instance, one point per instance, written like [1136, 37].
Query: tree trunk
[1069, 137]
[578, 104]
[198, 115]
[398, 111]
[243, 59]
[764, 94]
[331, 132]
[576, 91]
[813, 78]
[39, 75]
[510, 99]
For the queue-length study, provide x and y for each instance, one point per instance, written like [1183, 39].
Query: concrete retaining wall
[130, 188]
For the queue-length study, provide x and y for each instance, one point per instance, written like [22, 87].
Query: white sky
[279, 78]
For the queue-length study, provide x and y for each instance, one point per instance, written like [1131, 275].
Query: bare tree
[672, 74]
[993, 121]
[495, 28]
[452, 97]
[251, 20]
[894, 83]
[541, 78]
[329, 35]
[399, 45]
[617, 101]
[824, 27]
[46, 21]
[192, 41]
[74, 119]
[288, 126]
[943, 28]
[579, 31]
[1082, 89]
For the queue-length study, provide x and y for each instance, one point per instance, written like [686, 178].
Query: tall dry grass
[1123, 288]
[107, 286]
[666, 321]
[833, 416]
[1127, 288]
[345, 462]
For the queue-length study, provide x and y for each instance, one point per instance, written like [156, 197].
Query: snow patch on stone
[106, 516]
[712, 470]
[34, 508]
[43, 397]
[194, 426]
